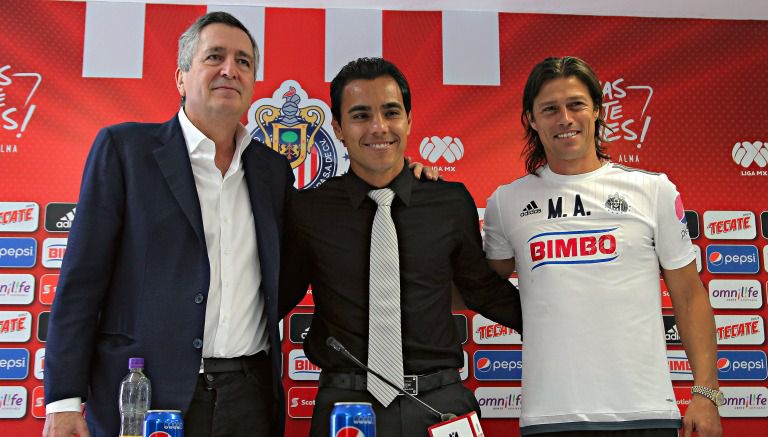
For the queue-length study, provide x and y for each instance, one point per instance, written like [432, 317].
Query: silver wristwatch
[716, 396]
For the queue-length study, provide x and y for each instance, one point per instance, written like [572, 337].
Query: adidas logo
[672, 334]
[65, 222]
[530, 209]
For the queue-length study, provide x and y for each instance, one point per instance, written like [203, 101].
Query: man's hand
[702, 418]
[65, 424]
[418, 168]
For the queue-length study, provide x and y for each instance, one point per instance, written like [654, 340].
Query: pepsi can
[353, 419]
[163, 423]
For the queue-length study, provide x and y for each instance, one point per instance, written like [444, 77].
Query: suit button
[199, 298]
[197, 343]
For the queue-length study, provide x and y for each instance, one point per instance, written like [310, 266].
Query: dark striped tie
[385, 343]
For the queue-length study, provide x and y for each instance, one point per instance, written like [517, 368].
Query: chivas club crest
[299, 128]
[617, 204]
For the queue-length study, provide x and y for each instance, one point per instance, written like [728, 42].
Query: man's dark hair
[544, 71]
[367, 68]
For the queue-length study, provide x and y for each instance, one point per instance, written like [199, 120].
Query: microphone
[338, 347]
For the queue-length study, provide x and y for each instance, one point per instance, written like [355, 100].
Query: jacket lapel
[173, 158]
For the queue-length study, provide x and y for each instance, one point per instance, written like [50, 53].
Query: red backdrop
[682, 94]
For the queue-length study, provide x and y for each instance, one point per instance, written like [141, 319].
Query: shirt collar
[194, 137]
[358, 189]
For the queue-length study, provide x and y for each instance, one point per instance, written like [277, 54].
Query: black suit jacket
[136, 264]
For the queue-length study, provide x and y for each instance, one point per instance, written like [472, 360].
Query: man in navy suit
[174, 257]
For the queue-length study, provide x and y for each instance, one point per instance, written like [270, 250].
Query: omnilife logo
[59, 216]
[735, 293]
[499, 402]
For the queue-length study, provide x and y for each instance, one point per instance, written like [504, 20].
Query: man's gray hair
[191, 37]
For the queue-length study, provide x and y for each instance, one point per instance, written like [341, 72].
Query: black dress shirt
[327, 242]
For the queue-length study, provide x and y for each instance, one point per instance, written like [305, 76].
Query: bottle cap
[135, 363]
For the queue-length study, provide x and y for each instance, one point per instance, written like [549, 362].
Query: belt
[218, 365]
[413, 384]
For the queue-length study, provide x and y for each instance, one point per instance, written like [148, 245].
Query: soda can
[163, 423]
[353, 419]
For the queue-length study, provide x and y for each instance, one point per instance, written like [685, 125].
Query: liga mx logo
[299, 128]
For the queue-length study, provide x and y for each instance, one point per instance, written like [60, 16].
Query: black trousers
[660, 432]
[233, 404]
[404, 417]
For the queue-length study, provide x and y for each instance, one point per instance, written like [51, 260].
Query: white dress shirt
[235, 322]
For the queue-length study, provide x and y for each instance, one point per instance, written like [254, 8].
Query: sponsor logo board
[19, 216]
[735, 293]
[59, 216]
[464, 371]
[692, 221]
[498, 365]
[17, 289]
[14, 363]
[730, 225]
[301, 402]
[485, 331]
[671, 334]
[38, 402]
[53, 252]
[15, 326]
[739, 329]
[48, 284]
[42, 325]
[460, 320]
[299, 327]
[682, 398]
[764, 224]
[733, 365]
[499, 402]
[40, 363]
[300, 368]
[13, 402]
[17, 252]
[666, 299]
[725, 258]
[697, 249]
[745, 402]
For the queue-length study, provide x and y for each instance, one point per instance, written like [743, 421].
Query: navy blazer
[136, 267]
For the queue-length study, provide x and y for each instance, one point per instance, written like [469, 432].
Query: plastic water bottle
[135, 395]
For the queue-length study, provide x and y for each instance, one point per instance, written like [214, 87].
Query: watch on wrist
[714, 395]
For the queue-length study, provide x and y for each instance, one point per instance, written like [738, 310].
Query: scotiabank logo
[498, 365]
[38, 402]
[48, 284]
[15, 326]
[300, 368]
[13, 402]
[19, 216]
[723, 258]
[485, 331]
[747, 329]
[573, 247]
[499, 402]
[301, 402]
[730, 225]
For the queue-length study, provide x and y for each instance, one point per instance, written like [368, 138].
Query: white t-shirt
[587, 250]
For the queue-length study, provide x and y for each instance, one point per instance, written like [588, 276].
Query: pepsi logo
[483, 364]
[715, 258]
[350, 431]
[159, 434]
[723, 363]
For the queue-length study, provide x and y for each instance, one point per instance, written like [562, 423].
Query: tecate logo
[573, 247]
[723, 258]
[19, 216]
[15, 326]
[498, 365]
[746, 329]
[730, 225]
